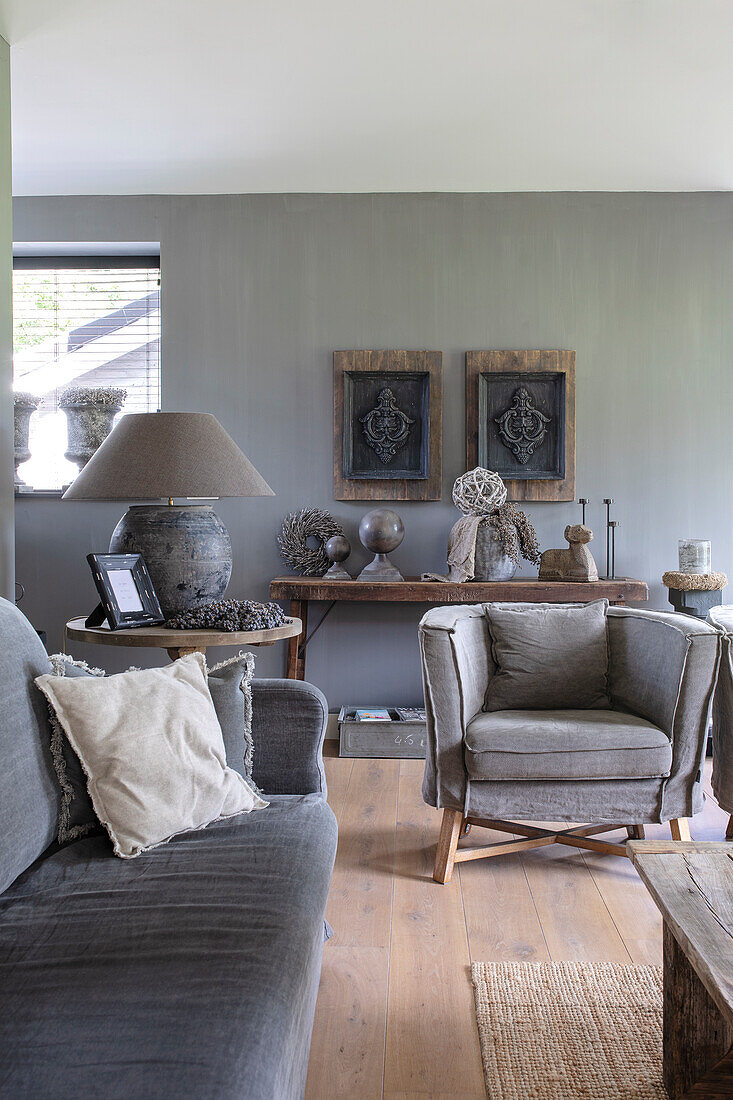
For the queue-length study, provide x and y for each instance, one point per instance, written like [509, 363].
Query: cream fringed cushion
[152, 750]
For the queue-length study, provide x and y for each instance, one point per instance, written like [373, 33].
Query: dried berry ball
[230, 616]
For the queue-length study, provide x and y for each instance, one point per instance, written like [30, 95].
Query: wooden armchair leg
[636, 832]
[450, 830]
[680, 828]
[729, 828]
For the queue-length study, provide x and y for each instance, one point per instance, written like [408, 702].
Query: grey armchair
[640, 762]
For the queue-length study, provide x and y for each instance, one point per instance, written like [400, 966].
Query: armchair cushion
[548, 656]
[565, 744]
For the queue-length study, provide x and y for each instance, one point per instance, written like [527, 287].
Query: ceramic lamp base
[186, 548]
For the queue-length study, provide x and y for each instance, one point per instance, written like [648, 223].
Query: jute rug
[562, 1031]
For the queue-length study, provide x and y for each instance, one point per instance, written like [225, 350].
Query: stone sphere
[337, 548]
[381, 530]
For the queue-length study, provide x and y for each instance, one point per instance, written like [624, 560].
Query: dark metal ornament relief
[386, 427]
[522, 427]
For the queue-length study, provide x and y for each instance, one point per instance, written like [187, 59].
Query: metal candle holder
[613, 524]
[608, 501]
[582, 501]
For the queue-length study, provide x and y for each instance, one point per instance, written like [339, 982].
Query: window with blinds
[84, 328]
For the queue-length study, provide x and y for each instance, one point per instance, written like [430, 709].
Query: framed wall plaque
[520, 420]
[388, 425]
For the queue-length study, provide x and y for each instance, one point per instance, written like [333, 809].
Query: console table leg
[296, 646]
[696, 1036]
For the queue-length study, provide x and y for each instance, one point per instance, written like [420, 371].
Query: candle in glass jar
[694, 555]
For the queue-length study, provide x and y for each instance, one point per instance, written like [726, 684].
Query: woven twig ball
[298, 527]
[479, 492]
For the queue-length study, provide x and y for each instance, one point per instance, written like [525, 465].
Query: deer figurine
[574, 564]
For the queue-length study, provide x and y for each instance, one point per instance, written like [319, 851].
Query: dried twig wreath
[298, 527]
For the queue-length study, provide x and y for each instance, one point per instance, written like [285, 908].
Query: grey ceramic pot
[186, 548]
[492, 562]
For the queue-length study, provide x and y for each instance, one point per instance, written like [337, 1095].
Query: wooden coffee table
[692, 885]
[179, 642]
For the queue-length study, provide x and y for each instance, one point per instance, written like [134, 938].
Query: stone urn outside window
[24, 405]
[90, 414]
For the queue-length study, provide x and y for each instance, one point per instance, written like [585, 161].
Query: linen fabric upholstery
[594, 801]
[289, 722]
[191, 971]
[548, 656]
[722, 618]
[152, 749]
[565, 744]
[665, 665]
[230, 684]
[456, 665]
[29, 796]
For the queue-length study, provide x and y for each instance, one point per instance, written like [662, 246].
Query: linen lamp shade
[150, 456]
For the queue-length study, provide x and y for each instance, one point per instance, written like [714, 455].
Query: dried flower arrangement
[516, 533]
[99, 396]
[482, 492]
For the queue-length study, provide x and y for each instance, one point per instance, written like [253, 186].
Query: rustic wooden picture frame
[547, 472]
[415, 470]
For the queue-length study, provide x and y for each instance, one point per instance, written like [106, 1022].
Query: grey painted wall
[259, 290]
[7, 547]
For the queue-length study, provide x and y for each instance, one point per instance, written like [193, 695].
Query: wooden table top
[414, 590]
[161, 638]
[692, 886]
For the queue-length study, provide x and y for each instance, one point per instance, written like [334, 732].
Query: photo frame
[388, 430]
[126, 593]
[520, 420]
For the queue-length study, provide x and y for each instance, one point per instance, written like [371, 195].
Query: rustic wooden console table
[301, 590]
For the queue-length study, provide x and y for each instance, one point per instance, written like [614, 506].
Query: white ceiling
[178, 96]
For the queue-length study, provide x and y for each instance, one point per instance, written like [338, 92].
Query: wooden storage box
[380, 739]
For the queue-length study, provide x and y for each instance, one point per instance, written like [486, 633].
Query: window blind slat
[81, 325]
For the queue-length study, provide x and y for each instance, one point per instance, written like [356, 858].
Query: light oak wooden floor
[395, 1018]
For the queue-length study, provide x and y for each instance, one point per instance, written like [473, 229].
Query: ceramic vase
[492, 561]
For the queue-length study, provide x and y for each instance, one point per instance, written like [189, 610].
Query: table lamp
[150, 456]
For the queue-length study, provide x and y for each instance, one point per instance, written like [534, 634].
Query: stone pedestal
[694, 603]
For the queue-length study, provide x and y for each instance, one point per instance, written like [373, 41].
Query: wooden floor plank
[435, 1095]
[575, 921]
[338, 775]
[551, 902]
[501, 918]
[347, 1050]
[432, 1039]
[632, 910]
[360, 899]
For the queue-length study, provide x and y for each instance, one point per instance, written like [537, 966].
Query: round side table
[177, 643]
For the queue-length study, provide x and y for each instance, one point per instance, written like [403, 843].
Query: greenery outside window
[89, 323]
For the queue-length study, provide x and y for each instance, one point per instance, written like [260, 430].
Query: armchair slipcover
[640, 762]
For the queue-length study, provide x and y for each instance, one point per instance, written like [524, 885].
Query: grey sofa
[190, 971]
[638, 763]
